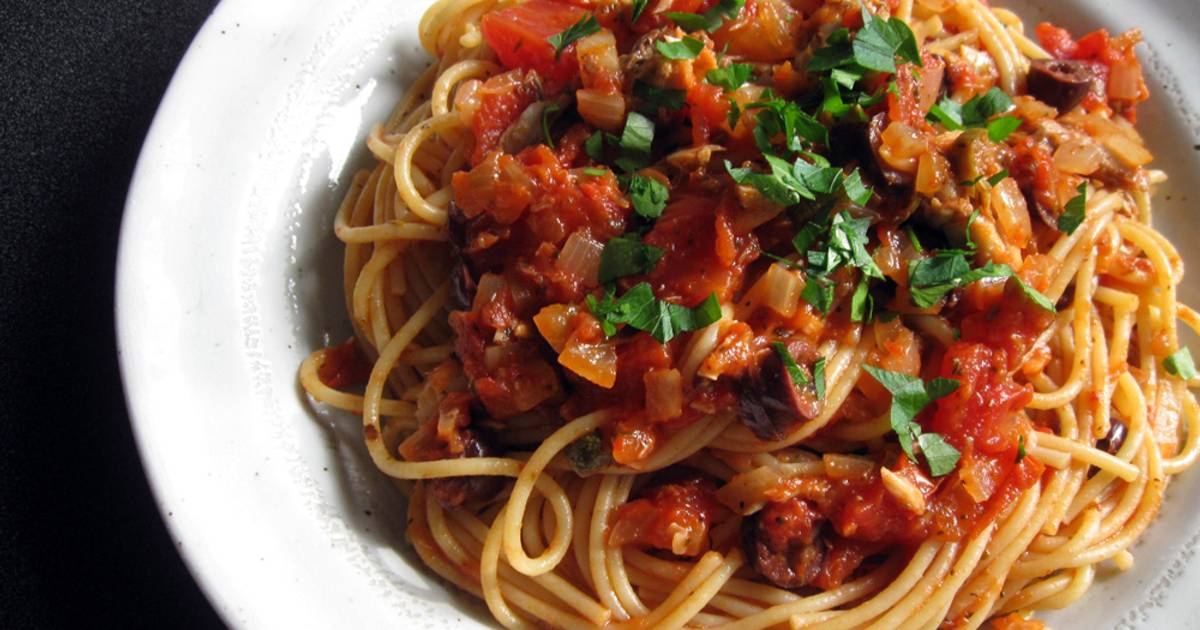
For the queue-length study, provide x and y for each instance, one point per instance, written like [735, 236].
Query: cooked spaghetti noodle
[925, 369]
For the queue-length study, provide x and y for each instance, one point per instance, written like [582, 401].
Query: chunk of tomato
[520, 36]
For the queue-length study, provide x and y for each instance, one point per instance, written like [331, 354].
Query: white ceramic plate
[229, 275]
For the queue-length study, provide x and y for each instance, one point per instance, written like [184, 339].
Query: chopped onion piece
[1078, 156]
[603, 110]
[580, 255]
[553, 322]
[596, 362]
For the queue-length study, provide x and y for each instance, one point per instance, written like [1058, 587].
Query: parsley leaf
[639, 309]
[862, 305]
[710, 20]
[648, 196]
[818, 292]
[627, 256]
[997, 178]
[779, 117]
[976, 113]
[1035, 296]
[1020, 448]
[789, 364]
[686, 48]
[639, 6]
[941, 456]
[819, 377]
[730, 77]
[595, 171]
[947, 112]
[930, 279]
[910, 395]
[1180, 364]
[880, 41]
[656, 97]
[856, 190]
[1074, 211]
[635, 142]
[586, 25]
[595, 146]
[1001, 128]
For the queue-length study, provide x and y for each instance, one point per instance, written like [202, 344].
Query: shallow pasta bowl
[229, 275]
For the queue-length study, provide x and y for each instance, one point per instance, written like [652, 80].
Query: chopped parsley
[627, 256]
[586, 25]
[789, 364]
[930, 279]
[635, 142]
[977, 113]
[639, 6]
[1035, 296]
[595, 171]
[639, 309]
[818, 292]
[1001, 128]
[780, 117]
[686, 48]
[1180, 364]
[710, 20]
[648, 196]
[731, 77]
[1074, 212]
[992, 181]
[1020, 449]
[862, 305]
[790, 183]
[656, 97]
[819, 377]
[594, 146]
[880, 41]
[910, 395]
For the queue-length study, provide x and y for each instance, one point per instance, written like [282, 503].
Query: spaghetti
[765, 313]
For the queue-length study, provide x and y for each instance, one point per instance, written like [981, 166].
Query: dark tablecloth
[81, 542]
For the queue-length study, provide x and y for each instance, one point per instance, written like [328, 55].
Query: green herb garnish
[639, 309]
[1074, 212]
[910, 395]
[586, 25]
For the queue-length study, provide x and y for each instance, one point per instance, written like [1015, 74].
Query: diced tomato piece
[1057, 41]
[764, 31]
[343, 366]
[694, 266]
[502, 99]
[520, 37]
[709, 109]
[674, 517]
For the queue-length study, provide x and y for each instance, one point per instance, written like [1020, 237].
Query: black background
[81, 542]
